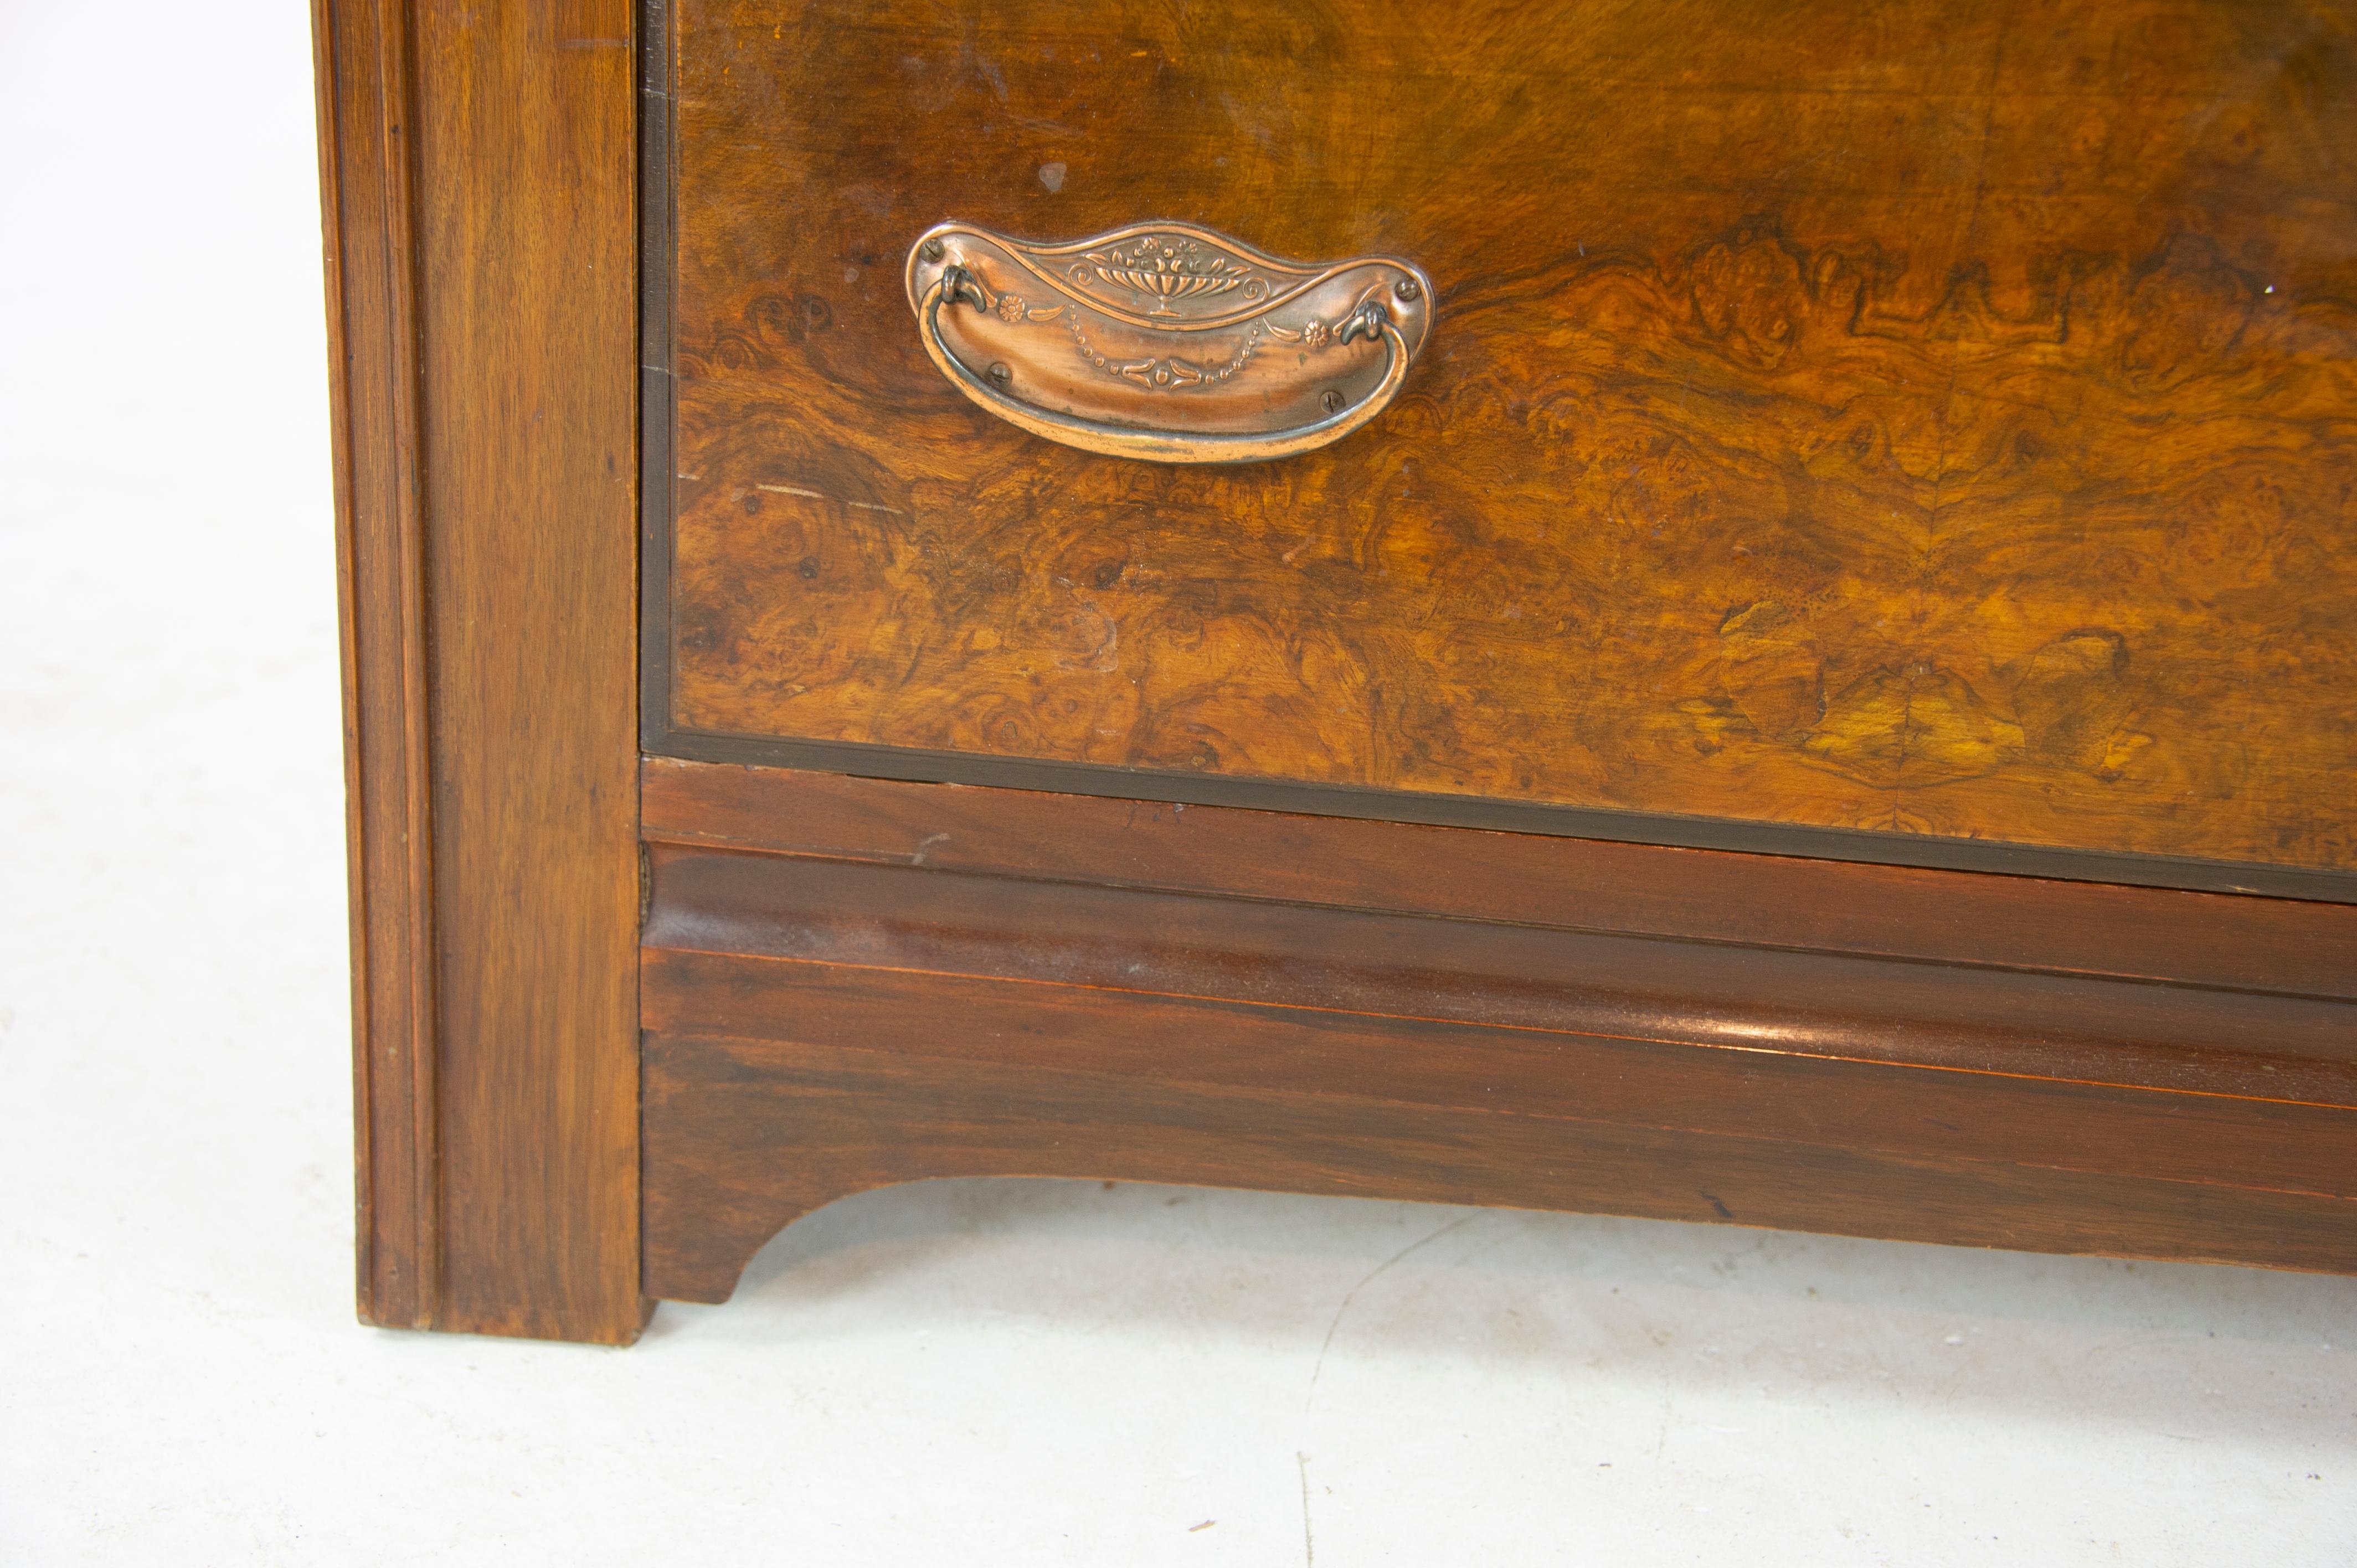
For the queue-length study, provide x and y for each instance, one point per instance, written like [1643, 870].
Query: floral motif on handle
[1172, 374]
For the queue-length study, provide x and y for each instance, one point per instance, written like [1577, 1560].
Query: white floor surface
[971, 1373]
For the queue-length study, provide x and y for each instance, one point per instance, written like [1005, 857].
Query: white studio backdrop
[972, 1372]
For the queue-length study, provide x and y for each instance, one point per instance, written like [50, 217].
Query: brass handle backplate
[1166, 343]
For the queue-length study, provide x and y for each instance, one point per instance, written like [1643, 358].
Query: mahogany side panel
[941, 982]
[479, 215]
[360, 60]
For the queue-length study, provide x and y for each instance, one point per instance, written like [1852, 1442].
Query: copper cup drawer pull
[1166, 343]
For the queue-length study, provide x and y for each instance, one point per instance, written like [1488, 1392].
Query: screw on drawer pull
[1166, 343]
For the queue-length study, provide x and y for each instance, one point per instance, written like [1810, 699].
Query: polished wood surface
[1930, 419]
[929, 983]
[478, 199]
[2294, 947]
[2251, 1046]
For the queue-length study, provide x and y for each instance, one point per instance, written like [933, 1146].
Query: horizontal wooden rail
[884, 1004]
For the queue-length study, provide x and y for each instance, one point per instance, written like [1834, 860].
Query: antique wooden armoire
[1724, 611]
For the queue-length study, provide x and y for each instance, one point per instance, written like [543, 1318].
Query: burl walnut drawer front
[1918, 426]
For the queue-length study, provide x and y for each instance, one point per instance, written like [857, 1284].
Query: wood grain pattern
[2294, 947]
[817, 1024]
[1928, 418]
[745, 1135]
[361, 62]
[1352, 964]
[477, 168]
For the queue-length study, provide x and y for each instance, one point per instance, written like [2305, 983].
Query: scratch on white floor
[1308, 1542]
[1351, 1295]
